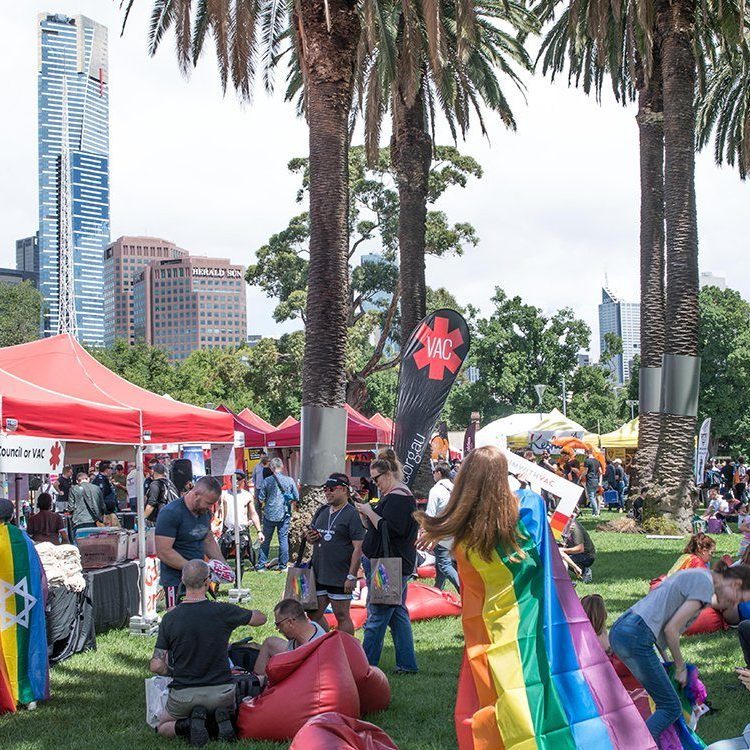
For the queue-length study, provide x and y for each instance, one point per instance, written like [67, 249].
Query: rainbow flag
[534, 675]
[24, 669]
[685, 562]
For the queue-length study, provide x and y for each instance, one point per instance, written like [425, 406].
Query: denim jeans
[593, 498]
[444, 568]
[379, 618]
[632, 640]
[282, 528]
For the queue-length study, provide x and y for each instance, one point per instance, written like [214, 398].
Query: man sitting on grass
[292, 622]
[192, 646]
[580, 548]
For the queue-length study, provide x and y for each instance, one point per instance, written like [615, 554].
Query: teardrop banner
[431, 360]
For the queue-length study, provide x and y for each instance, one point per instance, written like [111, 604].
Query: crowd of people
[462, 519]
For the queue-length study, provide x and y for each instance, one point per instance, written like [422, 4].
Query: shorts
[173, 595]
[182, 701]
[334, 593]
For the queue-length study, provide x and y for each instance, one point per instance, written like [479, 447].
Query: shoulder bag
[300, 582]
[385, 586]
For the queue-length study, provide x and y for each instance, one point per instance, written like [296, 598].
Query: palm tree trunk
[328, 57]
[650, 120]
[411, 156]
[674, 458]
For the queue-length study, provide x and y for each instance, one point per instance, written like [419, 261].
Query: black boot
[225, 730]
[182, 728]
[198, 732]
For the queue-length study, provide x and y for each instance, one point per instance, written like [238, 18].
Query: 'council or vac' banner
[430, 363]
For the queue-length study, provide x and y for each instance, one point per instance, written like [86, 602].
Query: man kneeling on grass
[192, 647]
[292, 622]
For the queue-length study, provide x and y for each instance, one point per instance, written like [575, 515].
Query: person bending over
[292, 622]
[192, 646]
[660, 618]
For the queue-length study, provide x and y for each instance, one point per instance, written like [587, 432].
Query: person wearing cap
[7, 511]
[246, 512]
[336, 533]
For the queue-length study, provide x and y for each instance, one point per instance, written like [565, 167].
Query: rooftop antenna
[66, 302]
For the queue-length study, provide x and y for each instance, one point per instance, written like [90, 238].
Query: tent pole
[141, 624]
[237, 594]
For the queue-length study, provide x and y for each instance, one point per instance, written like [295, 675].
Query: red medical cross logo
[438, 349]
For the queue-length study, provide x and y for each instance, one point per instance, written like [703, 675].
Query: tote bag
[385, 576]
[300, 583]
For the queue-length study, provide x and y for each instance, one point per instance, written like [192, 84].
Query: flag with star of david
[24, 668]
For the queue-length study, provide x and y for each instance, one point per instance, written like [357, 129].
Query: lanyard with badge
[329, 528]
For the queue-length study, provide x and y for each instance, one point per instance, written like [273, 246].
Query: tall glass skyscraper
[623, 319]
[73, 66]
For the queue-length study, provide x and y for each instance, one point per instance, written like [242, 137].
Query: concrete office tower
[190, 303]
[27, 256]
[72, 65]
[124, 260]
[623, 319]
[708, 278]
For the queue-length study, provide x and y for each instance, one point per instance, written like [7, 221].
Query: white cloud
[557, 207]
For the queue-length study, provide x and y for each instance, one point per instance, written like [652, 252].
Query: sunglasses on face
[281, 622]
[375, 477]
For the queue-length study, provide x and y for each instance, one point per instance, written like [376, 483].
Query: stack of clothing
[62, 565]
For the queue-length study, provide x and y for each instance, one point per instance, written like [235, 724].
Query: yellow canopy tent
[624, 437]
[556, 423]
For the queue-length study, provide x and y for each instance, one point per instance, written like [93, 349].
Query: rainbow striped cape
[24, 667]
[534, 676]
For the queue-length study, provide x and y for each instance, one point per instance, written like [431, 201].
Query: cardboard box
[101, 550]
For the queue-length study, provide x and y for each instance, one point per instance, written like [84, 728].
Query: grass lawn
[98, 699]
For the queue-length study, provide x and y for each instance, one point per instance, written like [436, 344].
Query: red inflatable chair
[425, 602]
[426, 571]
[358, 615]
[330, 674]
[336, 732]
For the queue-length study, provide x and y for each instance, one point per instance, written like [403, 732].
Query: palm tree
[325, 37]
[447, 56]
[724, 107]
[608, 49]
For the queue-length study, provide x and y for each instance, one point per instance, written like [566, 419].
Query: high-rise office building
[707, 278]
[73, 98]
[27, 256]
[623, 319]
[190, 303]
[13, 276]
[124, 259]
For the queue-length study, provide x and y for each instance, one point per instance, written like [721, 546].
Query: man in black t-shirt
[63, 485]
[580, 548]
[160, 492]
[593, 478]
[192, 646]
[336, 533]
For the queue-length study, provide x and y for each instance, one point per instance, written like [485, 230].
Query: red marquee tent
[290, 421]
[32, 411]
[62, 365]
[359, 431]
[253, 438]
[258, 423]
[385, 423]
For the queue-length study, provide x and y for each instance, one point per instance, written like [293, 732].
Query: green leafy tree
[20, 313]
[146, 366]
[725, 372]
[595, 405]
[515, 348]
[281, 267]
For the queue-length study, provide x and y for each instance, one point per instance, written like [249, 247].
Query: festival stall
[621, 442]
[385, 423]
[362, 437]
[62, 366]
[497, 433]
[289, 421]
[553, 425]
[256, 422]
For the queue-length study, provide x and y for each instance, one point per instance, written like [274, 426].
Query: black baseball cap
[337, 480]
[240, 474]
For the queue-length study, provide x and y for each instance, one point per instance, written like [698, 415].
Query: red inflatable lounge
[426, 571]
[331, 674]
[336, 732]
[423, 602]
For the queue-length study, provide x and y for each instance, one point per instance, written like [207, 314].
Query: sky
[556, 210]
